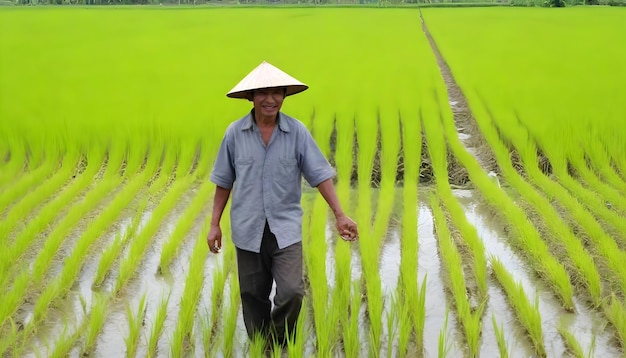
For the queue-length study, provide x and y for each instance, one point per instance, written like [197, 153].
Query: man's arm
[214, 238]
[345, 226]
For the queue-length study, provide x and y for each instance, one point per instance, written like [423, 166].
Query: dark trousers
[256, 274]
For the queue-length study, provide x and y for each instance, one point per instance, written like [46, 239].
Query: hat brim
[247, 94]
[266, 75]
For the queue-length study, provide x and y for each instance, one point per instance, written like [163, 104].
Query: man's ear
[250, 95]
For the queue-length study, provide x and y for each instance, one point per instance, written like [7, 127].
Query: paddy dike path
[466, 126]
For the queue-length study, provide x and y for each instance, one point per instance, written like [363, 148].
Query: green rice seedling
[75, 260]
[52, 290]
[471, 321]
[404, 323]
[25, 238]
[157, 327]
[603, 190]
[444, 346]
[596, 206]
[60, 232]
[606, 244]
[231, 317]
[109, 255]
[322, 127]
[316, 270]
[8, 339]
[414, 297]
[343, 255]
[616, 314]
[351, 341]
[139, 245]
[437, 150]
[571, 342]
[344, 126]
[392, 325]
[500, 338]
[95, 321]
[190, 297]
[136, 156]
[135, 323]
[184, 161]
[383, 212]
[296, 340]
[390, 141]
[171, 246]
[35, 197]
[26, 184]
[592, 347]
[527, 313]
[584, 263]
[64, 344]
[112, 251]
[258, 346]
[63, 282]
[166, 171]
[177, 343]
[374, 300]
[219, 275]
[366, 139]
[205, 331]
[469, 234]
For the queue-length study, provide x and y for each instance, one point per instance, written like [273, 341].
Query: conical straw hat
[266, 76]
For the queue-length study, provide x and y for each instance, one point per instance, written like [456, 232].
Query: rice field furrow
[469, 317]
[183, 333]
[612, 222]
[524, 235]
[46, 215]
[613, 198]
[171, 246]
[527, 312]
[61, 284]
[34, 197]
[28, 278]
[561, 235]
[139, 245]
[32, 176]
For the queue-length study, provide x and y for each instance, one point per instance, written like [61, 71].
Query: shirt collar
[249, 122]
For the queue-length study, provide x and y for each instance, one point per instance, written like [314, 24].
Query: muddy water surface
[584, 323]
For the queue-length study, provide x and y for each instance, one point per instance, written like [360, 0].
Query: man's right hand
[214, 239]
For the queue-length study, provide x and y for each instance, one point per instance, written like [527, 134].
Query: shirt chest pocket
[288, 170]
[244, 167]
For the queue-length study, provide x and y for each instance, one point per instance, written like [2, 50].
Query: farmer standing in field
[262, 160]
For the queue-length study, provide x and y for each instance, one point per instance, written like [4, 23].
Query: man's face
[267, 101]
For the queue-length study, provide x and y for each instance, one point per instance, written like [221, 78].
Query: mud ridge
[468, 130]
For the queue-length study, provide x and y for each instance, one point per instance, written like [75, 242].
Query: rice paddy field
[480, 150]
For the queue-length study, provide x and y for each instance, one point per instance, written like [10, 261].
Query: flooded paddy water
[67, 316]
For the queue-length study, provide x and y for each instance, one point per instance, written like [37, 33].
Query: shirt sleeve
[223, 173]
[314, 166]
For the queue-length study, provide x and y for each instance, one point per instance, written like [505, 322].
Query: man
[262, 160]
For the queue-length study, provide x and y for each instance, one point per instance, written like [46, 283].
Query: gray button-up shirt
[266, 181]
